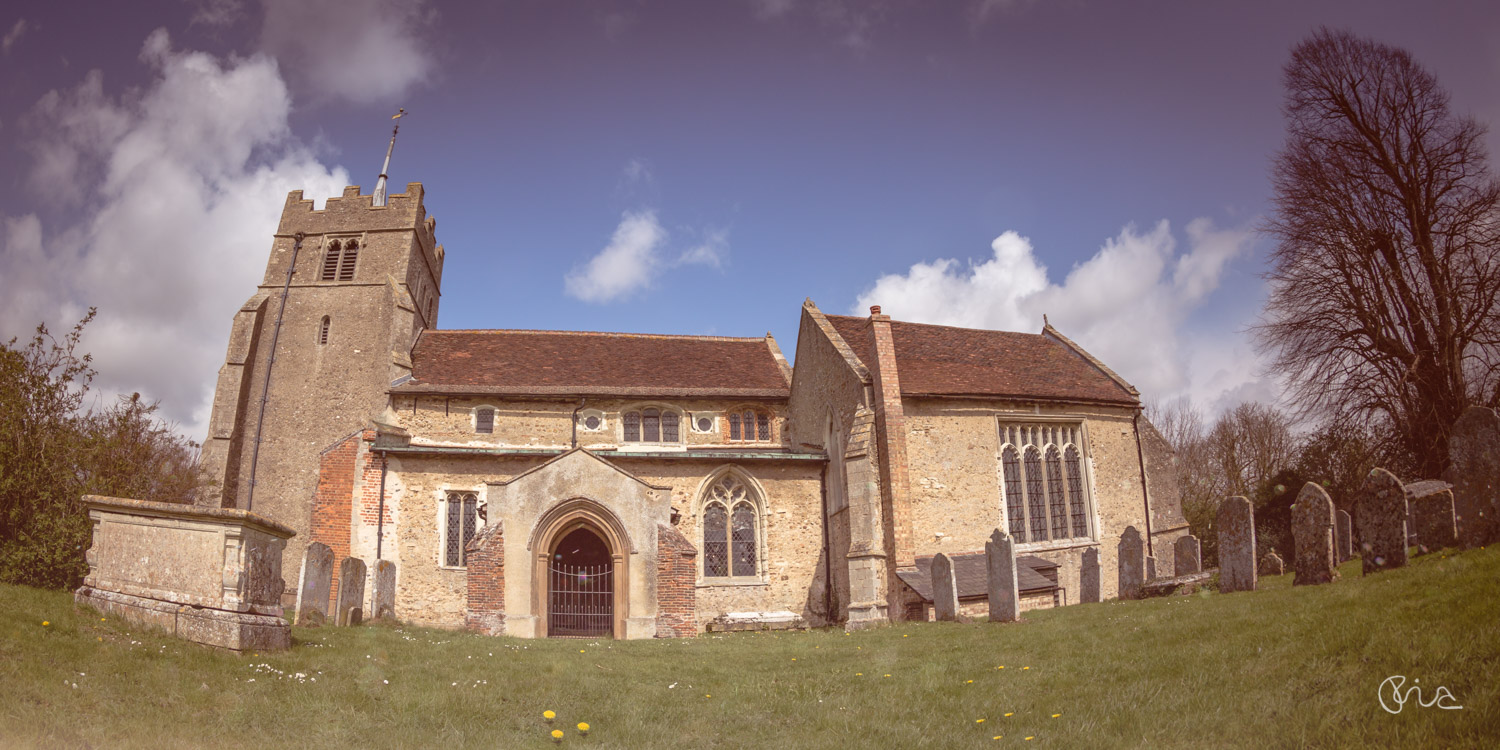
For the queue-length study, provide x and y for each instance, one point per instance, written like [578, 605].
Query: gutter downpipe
[265, 386]
[581, 403]
[380, 514]
[827, 553]
[1140, 457]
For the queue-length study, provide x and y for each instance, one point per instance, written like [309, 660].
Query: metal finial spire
[380, 183]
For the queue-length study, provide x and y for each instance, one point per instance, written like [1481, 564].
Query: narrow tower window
[351, 254]
[323, 331]
[331, 261]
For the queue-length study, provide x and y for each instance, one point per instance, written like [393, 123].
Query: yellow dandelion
[904, 635]
[1026, 667]
[1056, 715]
[998, 736]
[45, 623]
[101, 639]
[979, 721]
[580, 650]
[1029, 738]
[708, 696]
[859, 674]
[887, 675]
[101, 619]
[583, 727]
[1012, 713]
[1002, 666]
[970, 682]
[794, 658]
[549, 715]
[557, 735]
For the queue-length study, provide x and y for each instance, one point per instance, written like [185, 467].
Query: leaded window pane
[633, 427]
[1011, 465]
[1055, 496]
[1036, 501]
[1075, 492]
[651, 426]
[669, 427]
[715, 541]
[734, 427]
[763, 426]
[471, 504]
[743, 537]
[484, 421]
[452, 552]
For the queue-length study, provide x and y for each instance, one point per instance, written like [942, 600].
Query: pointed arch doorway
[580, 585]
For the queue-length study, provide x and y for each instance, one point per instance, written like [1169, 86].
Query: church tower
[313, 352]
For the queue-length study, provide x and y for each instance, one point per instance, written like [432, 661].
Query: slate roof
[587, 363]
[934, 360]
[971, 573]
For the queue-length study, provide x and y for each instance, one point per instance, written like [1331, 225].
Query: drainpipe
[581, 402]
[380, 514]
[827, 553]
[265, 386]
[1140, 457]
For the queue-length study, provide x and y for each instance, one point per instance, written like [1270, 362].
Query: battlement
[355, 211]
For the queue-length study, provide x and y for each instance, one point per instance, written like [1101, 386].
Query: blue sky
[682, 167]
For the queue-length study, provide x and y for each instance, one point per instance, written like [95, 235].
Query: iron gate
[580, 600]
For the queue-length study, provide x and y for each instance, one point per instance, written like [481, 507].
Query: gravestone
[1187, 556]
[1343, 535]
[1004, 593]
[1132, 557]
[383, 603]
[1474, 472]
[1088, 577]
[944, 589]
[1312, 537]
[1380, 513]
[1271, 564]
[1434, 516]
[1150, 567]
[1236, 522]
[314, 585]
[351, 592]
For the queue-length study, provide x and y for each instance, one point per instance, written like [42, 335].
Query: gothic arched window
[731, 530]
[1010, 463]
[1042, 482]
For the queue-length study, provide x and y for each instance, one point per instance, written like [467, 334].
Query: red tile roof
[585, 363]
[947, 361]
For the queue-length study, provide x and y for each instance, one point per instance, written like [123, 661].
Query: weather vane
[380, 183]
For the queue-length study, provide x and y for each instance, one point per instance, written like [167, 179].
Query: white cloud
[626, 265]
[363, 51]
[12, 36]
[712, 251]
[1129, 305]
[216, 13]
[183, 182]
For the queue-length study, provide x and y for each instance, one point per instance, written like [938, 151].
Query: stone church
[555, 483]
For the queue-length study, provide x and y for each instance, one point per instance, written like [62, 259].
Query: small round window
[592, 422]
[705, 424]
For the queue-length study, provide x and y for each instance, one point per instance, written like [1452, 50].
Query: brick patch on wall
[485, 610]
[331, 510]
[676, 584]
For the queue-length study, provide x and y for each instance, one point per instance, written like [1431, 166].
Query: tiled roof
[947, 361]
[584, 363]
[971, 573]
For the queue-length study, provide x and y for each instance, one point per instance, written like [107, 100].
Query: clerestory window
[484, 420]
[1042, 482]
[651, 426]
[749, 425]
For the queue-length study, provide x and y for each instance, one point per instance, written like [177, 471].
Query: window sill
[1056, 546]
[715, 582]
[460, 569]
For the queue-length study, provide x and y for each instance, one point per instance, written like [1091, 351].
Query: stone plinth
[1004, 592]
[315, 585]
[208, 575]
[1236, 522]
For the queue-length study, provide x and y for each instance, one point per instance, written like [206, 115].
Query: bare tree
[1384, 281]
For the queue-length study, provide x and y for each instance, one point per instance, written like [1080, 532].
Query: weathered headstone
[1132, 557]
[944, 589]
[1187, 556]
[1236, 522]
[1474, 471]
[351, 592]
[1312, 537]
[1088, 577]
[1434, 516]
[1380, 513]
[1150, 567]
[1343, 535]
[1004, 592]
[383, 603]
[314, 585]
[1271, 564]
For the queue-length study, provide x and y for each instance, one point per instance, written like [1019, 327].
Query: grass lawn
[1280, 667]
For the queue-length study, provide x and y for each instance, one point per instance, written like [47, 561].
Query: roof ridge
[622, 334]
[939, 325]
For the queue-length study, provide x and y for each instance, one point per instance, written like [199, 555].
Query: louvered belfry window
[331, 261]
[351, 255]
[731, 531]
[1043, 487]
[459, 527]
[339, 260]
